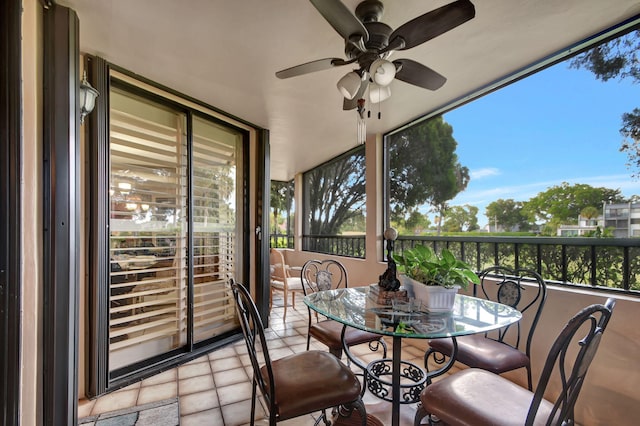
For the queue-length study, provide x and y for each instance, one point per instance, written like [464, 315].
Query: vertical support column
[97, 239]
[61, 216]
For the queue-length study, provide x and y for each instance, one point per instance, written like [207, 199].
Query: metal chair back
[320, 275]
[522, 289]
[570, 358]
[257, 349]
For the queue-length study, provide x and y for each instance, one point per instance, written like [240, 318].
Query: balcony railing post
[594, 266]
[626, 268]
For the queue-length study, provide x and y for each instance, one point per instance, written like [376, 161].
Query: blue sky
[559, 125]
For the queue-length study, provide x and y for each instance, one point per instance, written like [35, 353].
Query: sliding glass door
[173, 227]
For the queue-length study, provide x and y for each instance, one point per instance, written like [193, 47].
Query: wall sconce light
[88, 97]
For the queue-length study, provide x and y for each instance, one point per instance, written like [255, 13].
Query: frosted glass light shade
[349, 85]
[378, 93]
[87, 97]
[382, 72]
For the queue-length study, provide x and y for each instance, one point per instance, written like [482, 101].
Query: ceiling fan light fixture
[382, 71]
[349, 84]
[378, 93]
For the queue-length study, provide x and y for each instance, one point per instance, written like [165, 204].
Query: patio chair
[330, 274]
[281, 280]
[477, 397]
[500, 351]
[297, 384]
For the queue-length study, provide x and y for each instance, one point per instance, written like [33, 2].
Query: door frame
[10, 213]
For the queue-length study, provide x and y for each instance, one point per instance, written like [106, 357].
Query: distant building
[582, 228]
[622, 219]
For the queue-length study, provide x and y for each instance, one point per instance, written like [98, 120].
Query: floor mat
[160, 413]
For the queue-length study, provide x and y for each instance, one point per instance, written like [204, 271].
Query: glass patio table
[353, 307]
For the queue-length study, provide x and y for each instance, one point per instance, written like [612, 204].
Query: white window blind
[149, 228]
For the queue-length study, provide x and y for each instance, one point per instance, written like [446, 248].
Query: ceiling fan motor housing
[379, 33]
[369, 11]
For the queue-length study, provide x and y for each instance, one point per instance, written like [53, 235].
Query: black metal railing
[597, 263]
[281, 241]
[604, 263]
[339, 245]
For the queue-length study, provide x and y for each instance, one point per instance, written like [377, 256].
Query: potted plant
[434, 279]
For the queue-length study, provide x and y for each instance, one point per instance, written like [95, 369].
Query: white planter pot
[434, 298]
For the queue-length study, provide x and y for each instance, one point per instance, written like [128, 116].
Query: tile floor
[215, 389]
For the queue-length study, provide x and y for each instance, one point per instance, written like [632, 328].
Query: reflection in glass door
[149, 230]
[214, 227]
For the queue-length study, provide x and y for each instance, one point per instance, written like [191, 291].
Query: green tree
[590, 212]
[618, 58]
[461, 218]
[563, 203]
[424, 168]
[280, 199]
[417, 223]
[335, 193]
[508, 214]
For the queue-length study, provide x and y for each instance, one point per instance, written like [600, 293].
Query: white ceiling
[226, 52]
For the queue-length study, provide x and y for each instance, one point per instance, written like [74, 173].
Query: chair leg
[347, 411]
[286, 302]
[420, 414]
[336, 352]
[529, 381]
[359, 405]
[253, 402]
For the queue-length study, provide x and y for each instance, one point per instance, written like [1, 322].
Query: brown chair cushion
[317, 373]
[476, 397]
[480, 352]
[329, 333]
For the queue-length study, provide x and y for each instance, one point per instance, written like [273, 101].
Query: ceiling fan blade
[313, 66]
[415, 73]
[431, 25]
[349, 104]
[341, 19]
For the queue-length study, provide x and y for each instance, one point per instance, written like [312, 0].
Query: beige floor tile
[225, 364]
[195, 384]
[239, 413]
[84, 407]
[225, 352]
[164, 377]
[211, 417]
[115, 401]
[192, 370]
[197, 402]
[230, 377]
[157, 392]
[234, 393]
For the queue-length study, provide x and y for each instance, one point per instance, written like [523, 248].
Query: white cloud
[483, 173]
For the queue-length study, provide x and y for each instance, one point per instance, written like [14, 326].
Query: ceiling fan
[369, 42]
